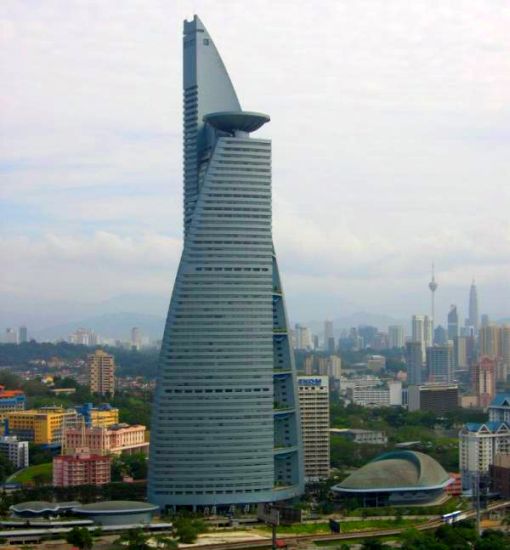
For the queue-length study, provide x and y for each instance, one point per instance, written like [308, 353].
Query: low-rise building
[376, 363]
[102, 416]
[16, 452]
[367, 437]
[397, 477]
[81, 469]
[42, 426]
[117, 439]
[11, 401]
[436, 398]
[377, 396]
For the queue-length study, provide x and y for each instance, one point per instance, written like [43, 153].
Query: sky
[390, 123]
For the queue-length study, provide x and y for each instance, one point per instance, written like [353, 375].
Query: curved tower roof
[225, 426]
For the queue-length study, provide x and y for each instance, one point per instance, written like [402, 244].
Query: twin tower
[225, 426]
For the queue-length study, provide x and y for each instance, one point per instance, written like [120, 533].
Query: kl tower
[433, 288]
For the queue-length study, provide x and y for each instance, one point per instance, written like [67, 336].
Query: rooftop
[501, 400]
[397, 470]
[115, 506]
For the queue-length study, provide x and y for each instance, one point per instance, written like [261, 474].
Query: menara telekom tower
[225, 427]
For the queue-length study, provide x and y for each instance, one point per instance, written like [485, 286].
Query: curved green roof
[397, 470]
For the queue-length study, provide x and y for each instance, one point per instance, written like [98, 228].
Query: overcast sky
[390, 123]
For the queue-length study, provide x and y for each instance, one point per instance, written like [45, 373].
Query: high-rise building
[396, 336]
[22, 335]
[328, 334]
[453, 323]
[136, 338]
[101, 373]
[485, 320]
[414, 363]
[440, 336]
[489, 341]
[314, 407]
[226, 426]
[479, 443]
[474, 318]
[505, 345]
[439, 364]
[462, 352]
[484, 381]
[418, 332]
[303, 337]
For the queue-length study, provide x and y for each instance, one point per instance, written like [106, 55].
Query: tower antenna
[433, 288]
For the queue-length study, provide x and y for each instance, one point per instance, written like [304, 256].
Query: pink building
[81, 469]
[117, 439]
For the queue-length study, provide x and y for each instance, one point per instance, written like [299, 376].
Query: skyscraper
[453, 323]
[474, 318]
[414, 362]
[439, 364]
[226, 427]
[418, 332]
[396, 336]
[22, 335]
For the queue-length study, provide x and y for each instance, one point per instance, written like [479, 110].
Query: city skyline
[416, 120]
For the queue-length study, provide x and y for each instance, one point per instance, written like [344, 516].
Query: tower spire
[433, 288]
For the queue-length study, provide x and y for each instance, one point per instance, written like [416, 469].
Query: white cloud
[390, 131]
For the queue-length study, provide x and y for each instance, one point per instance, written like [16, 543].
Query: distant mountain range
[108, 325]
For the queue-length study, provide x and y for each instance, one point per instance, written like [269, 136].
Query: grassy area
[41, 473]
[346, 526]
[452, 504]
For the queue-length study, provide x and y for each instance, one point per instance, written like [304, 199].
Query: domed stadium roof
[396, 470]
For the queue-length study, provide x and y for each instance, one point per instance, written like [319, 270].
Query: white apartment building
[314, 404]
[478, 444]
[378, 396]
[15, 451]
[366, 437]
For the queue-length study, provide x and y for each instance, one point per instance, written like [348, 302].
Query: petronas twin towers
[225, 427]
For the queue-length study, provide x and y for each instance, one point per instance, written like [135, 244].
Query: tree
[188, 529]
[134, 539]
[79, 537]
[374, 544]
[165, 543]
